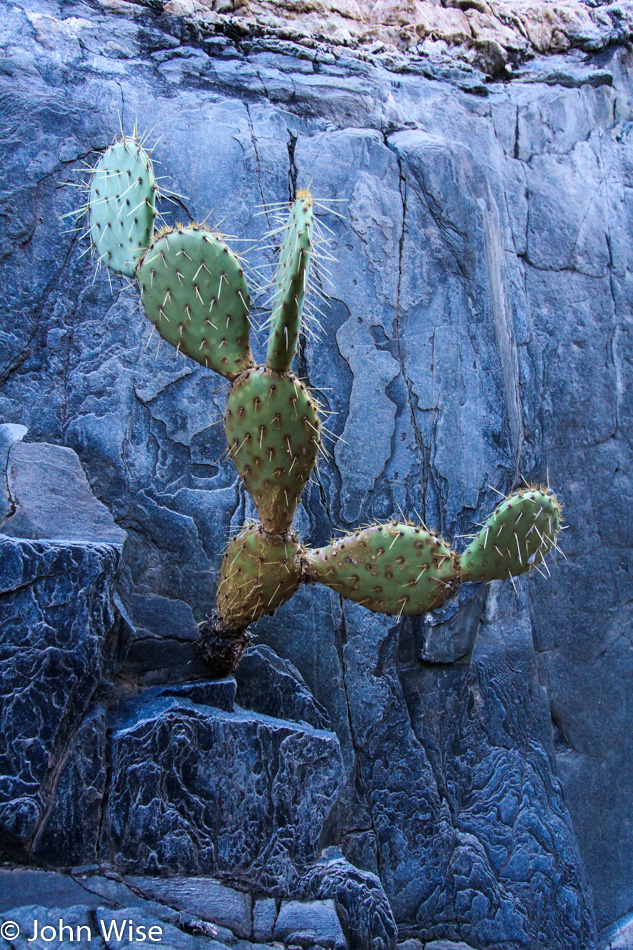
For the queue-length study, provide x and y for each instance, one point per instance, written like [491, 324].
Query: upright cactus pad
[194, 292]
[397, 569]
[273, 431]
[122, 206]
[290, 284]
[259, 573]
[516, 537]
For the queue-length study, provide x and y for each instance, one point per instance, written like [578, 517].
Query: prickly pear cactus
[259, 573]
[122, 206]
[395, 568]
[290, 284]
[516, 537]
[194, 292]
[273, 431]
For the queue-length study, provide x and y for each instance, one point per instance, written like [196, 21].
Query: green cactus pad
[259, 573]
[122, 206]
[194, 292]
[273, 431]
[515, 538]
[290, 284]
[389, 568]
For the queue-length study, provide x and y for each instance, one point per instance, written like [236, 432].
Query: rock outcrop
[490, 35]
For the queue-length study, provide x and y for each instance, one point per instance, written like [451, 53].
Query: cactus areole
[195, 294]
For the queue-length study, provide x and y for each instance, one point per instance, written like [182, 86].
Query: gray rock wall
[478, 331]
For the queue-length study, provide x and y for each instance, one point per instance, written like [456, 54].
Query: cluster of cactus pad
[195, 294]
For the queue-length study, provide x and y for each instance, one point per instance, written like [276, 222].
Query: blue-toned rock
[269, 684]
[51, 498]
[202, 897]
[69, 833]
[198, 790]
[9, 434]
[310, 924]
[58, 639]
[361, 903]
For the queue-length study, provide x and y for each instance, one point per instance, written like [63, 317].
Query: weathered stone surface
[361, 903]
[220, 693]
[486, 33]
[483, 275]
[484, 786]
[20, 886]
[183, 904]
[163, 645]
[619, 936]
[198, 790]
[264, 917]
[102, 929]
[51, 498]
[464, 811]
[70, 828]
[58, 639]
[449, 634]
[9, 433]
[271, 685]
[203, 897]
[310, 923]
[64, 902]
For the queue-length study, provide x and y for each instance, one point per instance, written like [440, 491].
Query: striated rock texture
[194, 913]
[478, 330]
[199, 790]
[491, 35]
[56, 613]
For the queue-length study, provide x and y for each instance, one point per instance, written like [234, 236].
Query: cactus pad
[290, 284]
[122, 206]
[516, 537]
[194, 293]
[273, 431]
[390, 568]
[259, 573]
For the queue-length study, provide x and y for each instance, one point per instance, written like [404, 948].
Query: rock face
[51, 498]
[193, 913]
[183, 780]
[478, 330]
[488, 34]
[57, 621]
[176, 777]
[462, 752]
[204, 791]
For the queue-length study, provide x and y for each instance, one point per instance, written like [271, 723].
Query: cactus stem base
[221, 648]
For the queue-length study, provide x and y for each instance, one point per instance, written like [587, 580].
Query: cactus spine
[394, 568]
[122, 206]
[194, 292]
[290, 284]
